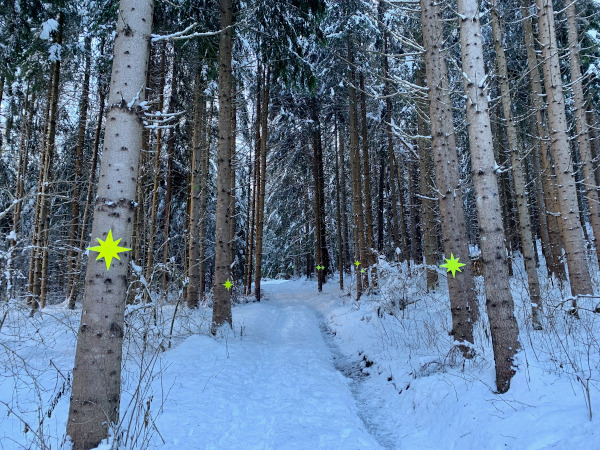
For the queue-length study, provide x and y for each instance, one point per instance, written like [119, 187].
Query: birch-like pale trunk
[569, 221]
[463, 297]
[583, 135]
[96, 392]
[222, 298]
[554, 253]
[516, 153]
[499, 301]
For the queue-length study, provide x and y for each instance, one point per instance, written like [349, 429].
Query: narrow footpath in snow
[274, 385]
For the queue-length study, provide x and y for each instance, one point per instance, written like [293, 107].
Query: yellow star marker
[108, 249]
[452, 265]
[357, 263]
[228, 284]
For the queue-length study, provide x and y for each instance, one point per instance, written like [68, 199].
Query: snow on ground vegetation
[314, 370]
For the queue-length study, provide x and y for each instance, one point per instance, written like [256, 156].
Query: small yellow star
[228, 284]
[357, 263]
[452, 265]
[362, 270]
[108, 249]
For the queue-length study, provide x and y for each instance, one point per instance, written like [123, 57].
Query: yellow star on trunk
[108, 249]
[453, 265]
[228, 284]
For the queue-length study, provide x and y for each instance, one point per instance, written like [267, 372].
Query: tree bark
[463, 297]
[88, 199]
[261, 186]
[518, 174]
[428, 200]
[345, 227]
[94, 405]
[46, 201]
[337, 207]
[232, 186]
[204, 195]
[583, 135]
[74, 227]
[317, 196]
[362, 278]
[569, 223]
[371, 259]
[169, 177]
[33, 280]
[222, 302]
[157, 156]
[547, 179]
[254, 175]
[194, 268]
[391, 159]
[499, 301]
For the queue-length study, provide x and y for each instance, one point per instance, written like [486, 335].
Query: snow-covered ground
[308, 370]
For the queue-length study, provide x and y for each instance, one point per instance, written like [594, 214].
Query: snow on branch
[179, 35]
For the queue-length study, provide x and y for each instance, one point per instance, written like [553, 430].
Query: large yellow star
[453, 265]
[108, 249]
[228, 284]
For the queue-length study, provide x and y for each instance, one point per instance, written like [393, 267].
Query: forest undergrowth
[399, 333]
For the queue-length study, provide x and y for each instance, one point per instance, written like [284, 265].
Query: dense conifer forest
[201, 201]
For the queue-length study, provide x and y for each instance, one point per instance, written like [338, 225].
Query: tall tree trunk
[340, 246]
[94, 405]
[196, 221]
[204, 195]
[32, 281]
[392, 163]
[380, 203]
[463, 297]
[46, 201]
[169, 177]
[232, 186]
[254, 174]
[583, 136]
[323, 235]
[362, 278]
[261, 186]
[405, 249]
[536, 177]
[416, 252]
[428, 201]
[74, 228]
[570, 226]
[371, 260]
[595, 142]
[156, 181]
[547, 179]
[499, 301]
[316, 137]
[518, 174]
[88, 198]
[222, 302]
[26, 123]
[345, 227]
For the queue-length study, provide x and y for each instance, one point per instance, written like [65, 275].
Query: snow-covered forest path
[274, 385]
